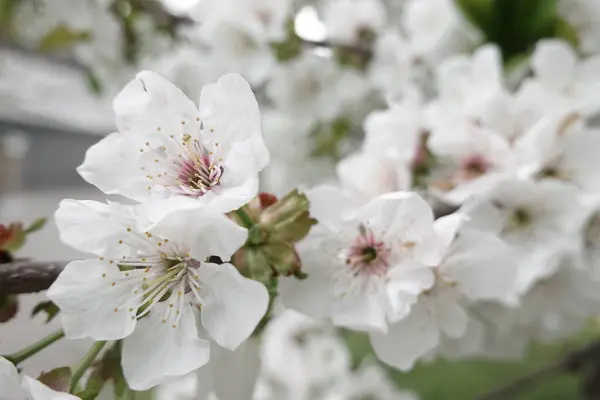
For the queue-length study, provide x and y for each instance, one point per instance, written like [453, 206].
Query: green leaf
[290, 47]
[62, 37]
[48, 307]
[36, 225]
[58, 379]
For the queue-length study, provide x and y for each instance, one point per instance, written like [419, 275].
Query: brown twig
[26, 276]
[571, 363]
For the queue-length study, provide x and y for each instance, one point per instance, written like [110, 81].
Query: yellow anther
[187, 137]
[104, 275]
[113, 284]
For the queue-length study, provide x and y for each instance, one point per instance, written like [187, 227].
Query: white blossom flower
[349, 21]
[471, 88]
[151, 269]
[540, 220]
[391, 146]
[366, 264]
[561, 147]
[371, 382]
[436, 28]
[470, 160]
[314, 88]
[15, 388]
[168, 147]
[584, 16]
[563, 80]
[394, 66]
[476, 266]
[301, 358]
[292, 164]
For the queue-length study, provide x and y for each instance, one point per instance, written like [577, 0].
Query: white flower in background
[470, 160]
[367, 264]
[231, 374]
[564, 81]
[394, 66]
[188, 67]
[584, 16]
[185, 388]
[558, 305]
[150, 271]
[239, 33]
[264, 20]
[167, 147]
[390, 148]
[590, 237]
[350, 21]
[301, 358]
[436, 29]
[314, 88]
[470, 87]
[369, 382]
[476, 266]
[540, 220]
[562, 148]
[15, 388]
[292, 165]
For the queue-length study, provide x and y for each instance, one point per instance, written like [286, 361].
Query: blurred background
[62, 62]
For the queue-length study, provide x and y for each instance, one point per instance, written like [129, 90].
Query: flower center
[367, 255]
[163, 278]
[191, 168]
[474, 167]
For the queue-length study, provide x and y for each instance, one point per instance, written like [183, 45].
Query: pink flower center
[473, 167]
[200, 172]
[367, 255]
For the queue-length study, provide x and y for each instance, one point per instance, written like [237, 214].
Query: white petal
[405, 216]
[364, 311]
[407, 340]
[39, 391]
[405, 283]
[331, 205]
[199, 228]
[95, 227]
[150, 101]
[311, 296]
[451, 316]
[554, 63]
[88, 300]
[112, 165]
[230, 113]
[157, 351]
[483, 266]
[447, 228]
[10, 382]
[234, 305]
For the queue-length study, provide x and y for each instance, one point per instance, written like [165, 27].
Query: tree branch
[26, 276]
[571, 363]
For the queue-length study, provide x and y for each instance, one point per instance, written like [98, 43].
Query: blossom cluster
[154, 266]
[454, 198]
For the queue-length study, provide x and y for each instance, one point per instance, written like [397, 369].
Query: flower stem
[85, 363]
[35, 348]
[248, 223]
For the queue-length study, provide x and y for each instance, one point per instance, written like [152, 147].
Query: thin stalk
[35, 348]
[85, 363]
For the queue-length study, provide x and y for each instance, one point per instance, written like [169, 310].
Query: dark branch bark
[572, 363]
[26, 276]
